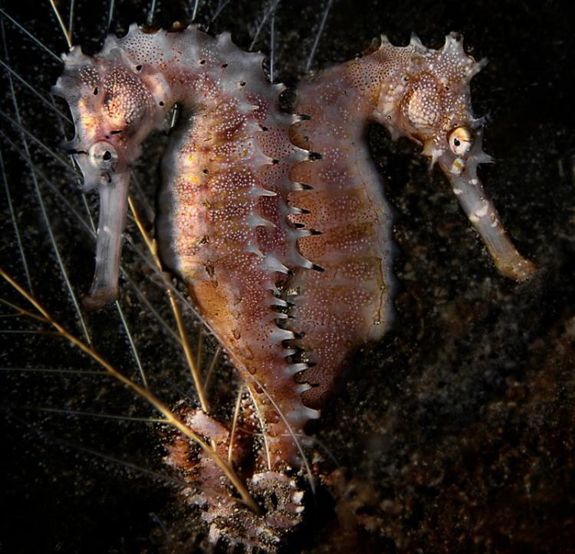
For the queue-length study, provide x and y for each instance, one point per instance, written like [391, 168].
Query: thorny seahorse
[277, 223]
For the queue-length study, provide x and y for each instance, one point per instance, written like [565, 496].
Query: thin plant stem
[169, 417]
[234, 424]
[153, 249]
[65, 31]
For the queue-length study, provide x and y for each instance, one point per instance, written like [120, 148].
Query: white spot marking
[482, 212]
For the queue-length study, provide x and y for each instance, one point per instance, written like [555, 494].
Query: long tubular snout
[484, 217]
[113, 207]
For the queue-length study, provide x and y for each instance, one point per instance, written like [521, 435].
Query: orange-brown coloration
[349, 302]
[222, 225]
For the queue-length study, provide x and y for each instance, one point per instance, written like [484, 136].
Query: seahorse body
[223, 205]
[277, 224]
[349, 303]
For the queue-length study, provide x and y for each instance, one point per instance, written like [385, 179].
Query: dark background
[454, 434]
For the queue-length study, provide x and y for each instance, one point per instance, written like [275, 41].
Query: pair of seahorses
[277, 223]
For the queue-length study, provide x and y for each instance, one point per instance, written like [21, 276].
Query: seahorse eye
[102, 155]
[460, 141]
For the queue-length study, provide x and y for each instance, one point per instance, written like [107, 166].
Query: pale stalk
[155, 402]
[153, 249]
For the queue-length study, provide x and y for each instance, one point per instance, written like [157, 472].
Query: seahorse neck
[190, 67]
[344, 92]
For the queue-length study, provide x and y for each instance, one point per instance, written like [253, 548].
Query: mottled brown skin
[216, 231]
[348, 303]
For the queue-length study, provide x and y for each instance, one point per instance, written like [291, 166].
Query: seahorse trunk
[222, 223]
[223, 229]
[349, 226]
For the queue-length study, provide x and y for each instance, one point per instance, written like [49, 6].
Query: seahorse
[416, 92]
[223, 223]
[276, 223]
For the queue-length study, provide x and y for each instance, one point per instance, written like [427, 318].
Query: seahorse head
[114, 105]
[113, 109]
[426, 96]
[429, 101]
